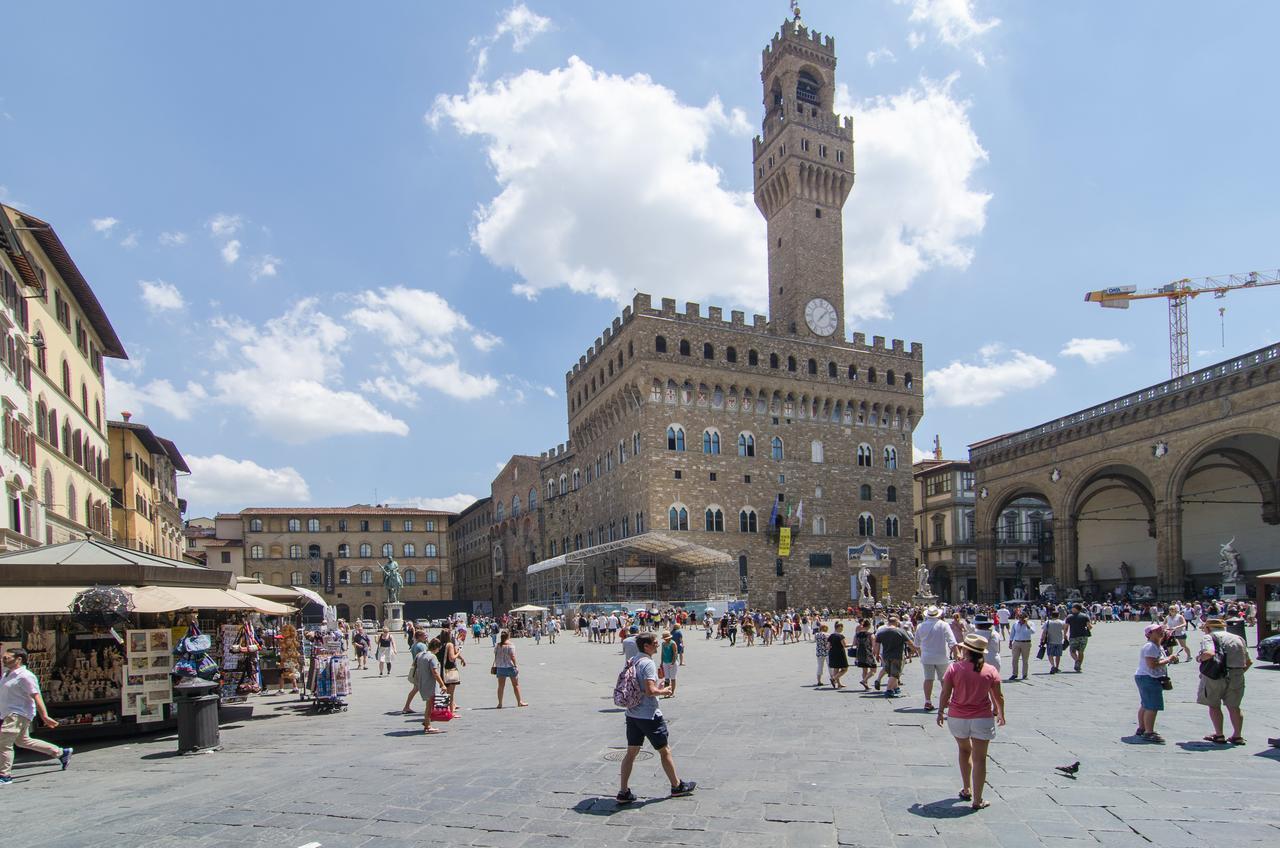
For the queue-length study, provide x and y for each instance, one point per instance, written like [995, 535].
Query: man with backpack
[637, 691]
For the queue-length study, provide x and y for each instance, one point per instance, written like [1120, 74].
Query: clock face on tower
[821, 317]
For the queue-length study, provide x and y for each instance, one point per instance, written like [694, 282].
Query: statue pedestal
[393, 618]
[924, 600]
[1230, 592]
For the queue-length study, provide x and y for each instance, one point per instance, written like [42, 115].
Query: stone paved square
[778, 763]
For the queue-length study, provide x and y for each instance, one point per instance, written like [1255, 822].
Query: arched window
[864, 455]
[907, 380]
[891, 526]
[635, 444]
[295, 552]
[551, 489]
[564, 484]
[816, 452]
[344, 551]
[866, 525]
[753, 358]
[891, 458]
[410, 576]
[684, 347]
[713, 520]
[366, 550]
[255, 552]
[344, 578]
[775, 447]
[433, 576]
[47, 486]
[660, 344]
[746, 444]
[747, 521]
[515, 505]
[819, 525]
[678, 518]
[295, 578]
[807, 89]
[313, 525]
[410, 549]
[429, 551]
[66, 379]
[871, 375]
[730, 354]
[295, 526]
[53, 428]
[813, 366]
[366, 576]
[773, 360]
[891, 494]
[675, 438]
[388, 550]
[864, 492]
[313, 551]
[710, 442]
[791, 363]
[255, 525]
[577, 479]
[708, 351]
[71, 502]
[533, 498]
[500, 511]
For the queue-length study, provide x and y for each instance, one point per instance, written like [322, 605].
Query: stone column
[1066, 548]
[1170, 569]
[988, 590]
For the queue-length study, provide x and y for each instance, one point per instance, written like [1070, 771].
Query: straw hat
[1215, 624]
[932, 612]
[975, 643]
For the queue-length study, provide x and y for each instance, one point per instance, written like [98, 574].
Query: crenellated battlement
[795, 35]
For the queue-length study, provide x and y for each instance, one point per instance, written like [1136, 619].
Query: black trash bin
[197, 703]
[1236, 626]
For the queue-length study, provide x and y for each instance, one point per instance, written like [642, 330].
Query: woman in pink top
[972, 705]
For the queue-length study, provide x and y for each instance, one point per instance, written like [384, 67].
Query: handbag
[1043, 649]
[493, 669]
[442, 708]
[452, 676]
[1215, 668]
[1166, 683]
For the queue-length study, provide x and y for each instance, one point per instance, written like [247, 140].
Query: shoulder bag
[1215, 668]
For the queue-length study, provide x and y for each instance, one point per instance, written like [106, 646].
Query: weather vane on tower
[795, 10]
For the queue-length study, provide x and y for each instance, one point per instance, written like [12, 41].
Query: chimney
[126, 416]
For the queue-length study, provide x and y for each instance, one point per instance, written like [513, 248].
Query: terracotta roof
[356, 509]
[154, 443]
[53, 247]
[174, 455]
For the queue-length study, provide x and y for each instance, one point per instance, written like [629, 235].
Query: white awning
[38, 600]
[653, 543]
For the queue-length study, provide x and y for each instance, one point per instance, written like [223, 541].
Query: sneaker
[684, 787]
[928, 708]
[5, 779]
[625, 797]
[1013, 678]
[65, 757]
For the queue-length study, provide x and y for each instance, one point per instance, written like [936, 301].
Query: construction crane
[1177, 294]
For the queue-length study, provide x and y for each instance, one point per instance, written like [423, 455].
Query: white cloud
[884, 54]
[914, 206]
[485, 342]
[220, 481]
[548, 391]
[130, 241]
[391, 389]
[124, 396]
[104, 225]
[596, 171]
[404, 316]
[997, 373]
[522, 24]
[224, 225]
[231, 252]
[448, 503]
[265, 266]
[160, 296]
[954, 21]
[1094, 351]
[915, 39]
[286, 374]
[446, 377]
[172, 239]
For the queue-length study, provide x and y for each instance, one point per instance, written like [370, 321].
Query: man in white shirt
[20, 703]
[613, 626]
[936, 643]
[1002, 618]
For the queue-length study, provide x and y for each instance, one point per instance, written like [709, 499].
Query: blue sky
[352, 252]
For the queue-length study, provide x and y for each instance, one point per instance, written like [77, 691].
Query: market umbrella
[530, 608]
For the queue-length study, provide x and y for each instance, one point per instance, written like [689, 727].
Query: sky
[351, 252]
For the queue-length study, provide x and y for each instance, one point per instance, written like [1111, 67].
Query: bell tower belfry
[803, 174]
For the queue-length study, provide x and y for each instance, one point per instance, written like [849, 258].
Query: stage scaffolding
[652, 566]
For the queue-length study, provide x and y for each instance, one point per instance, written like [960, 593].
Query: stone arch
[987, 513]
[1266, 479]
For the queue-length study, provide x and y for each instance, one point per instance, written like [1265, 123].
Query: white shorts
[669, 670]
[934, 671]
[972, 728]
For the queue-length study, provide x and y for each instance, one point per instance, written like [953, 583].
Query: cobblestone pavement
[777, 762]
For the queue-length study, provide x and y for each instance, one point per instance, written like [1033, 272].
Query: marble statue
[864, 583]
[391, 580]
[1018, 592]
[923, 589]
[1229, 562]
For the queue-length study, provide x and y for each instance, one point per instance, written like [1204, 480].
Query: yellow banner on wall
[784, 541]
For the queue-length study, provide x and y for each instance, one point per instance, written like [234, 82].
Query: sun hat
[1215, 624]
[932, 612]
[983, 621]
[975, 643]
[666, 635]
[1152, 628]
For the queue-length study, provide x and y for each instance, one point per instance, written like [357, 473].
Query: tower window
[817, 213]
[708, 352]
[753, 358]
[822, 151]
[684, 347]
[660, 344]
[804, 145]
[807, 88]
[840, 156]
[730, 354]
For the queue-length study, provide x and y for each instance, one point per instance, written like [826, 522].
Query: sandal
[1236, 740]
[432, 730]
[981, 805]
[1217, 739]
[1153, 737]
[966, 795]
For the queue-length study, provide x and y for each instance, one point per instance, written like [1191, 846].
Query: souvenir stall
[103, 625]
[328, 677]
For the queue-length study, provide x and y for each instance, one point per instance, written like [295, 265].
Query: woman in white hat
[972, 705]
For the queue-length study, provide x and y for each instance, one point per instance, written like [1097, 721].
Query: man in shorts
[891, 643]
[645, 721]
[1228, 690]
[1079, 626]
[937, 642]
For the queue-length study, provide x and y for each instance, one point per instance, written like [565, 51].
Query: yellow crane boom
[1177, 294]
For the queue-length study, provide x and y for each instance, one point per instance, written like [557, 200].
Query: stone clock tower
[803, 174]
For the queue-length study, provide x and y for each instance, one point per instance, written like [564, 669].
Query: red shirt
[970, 690]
